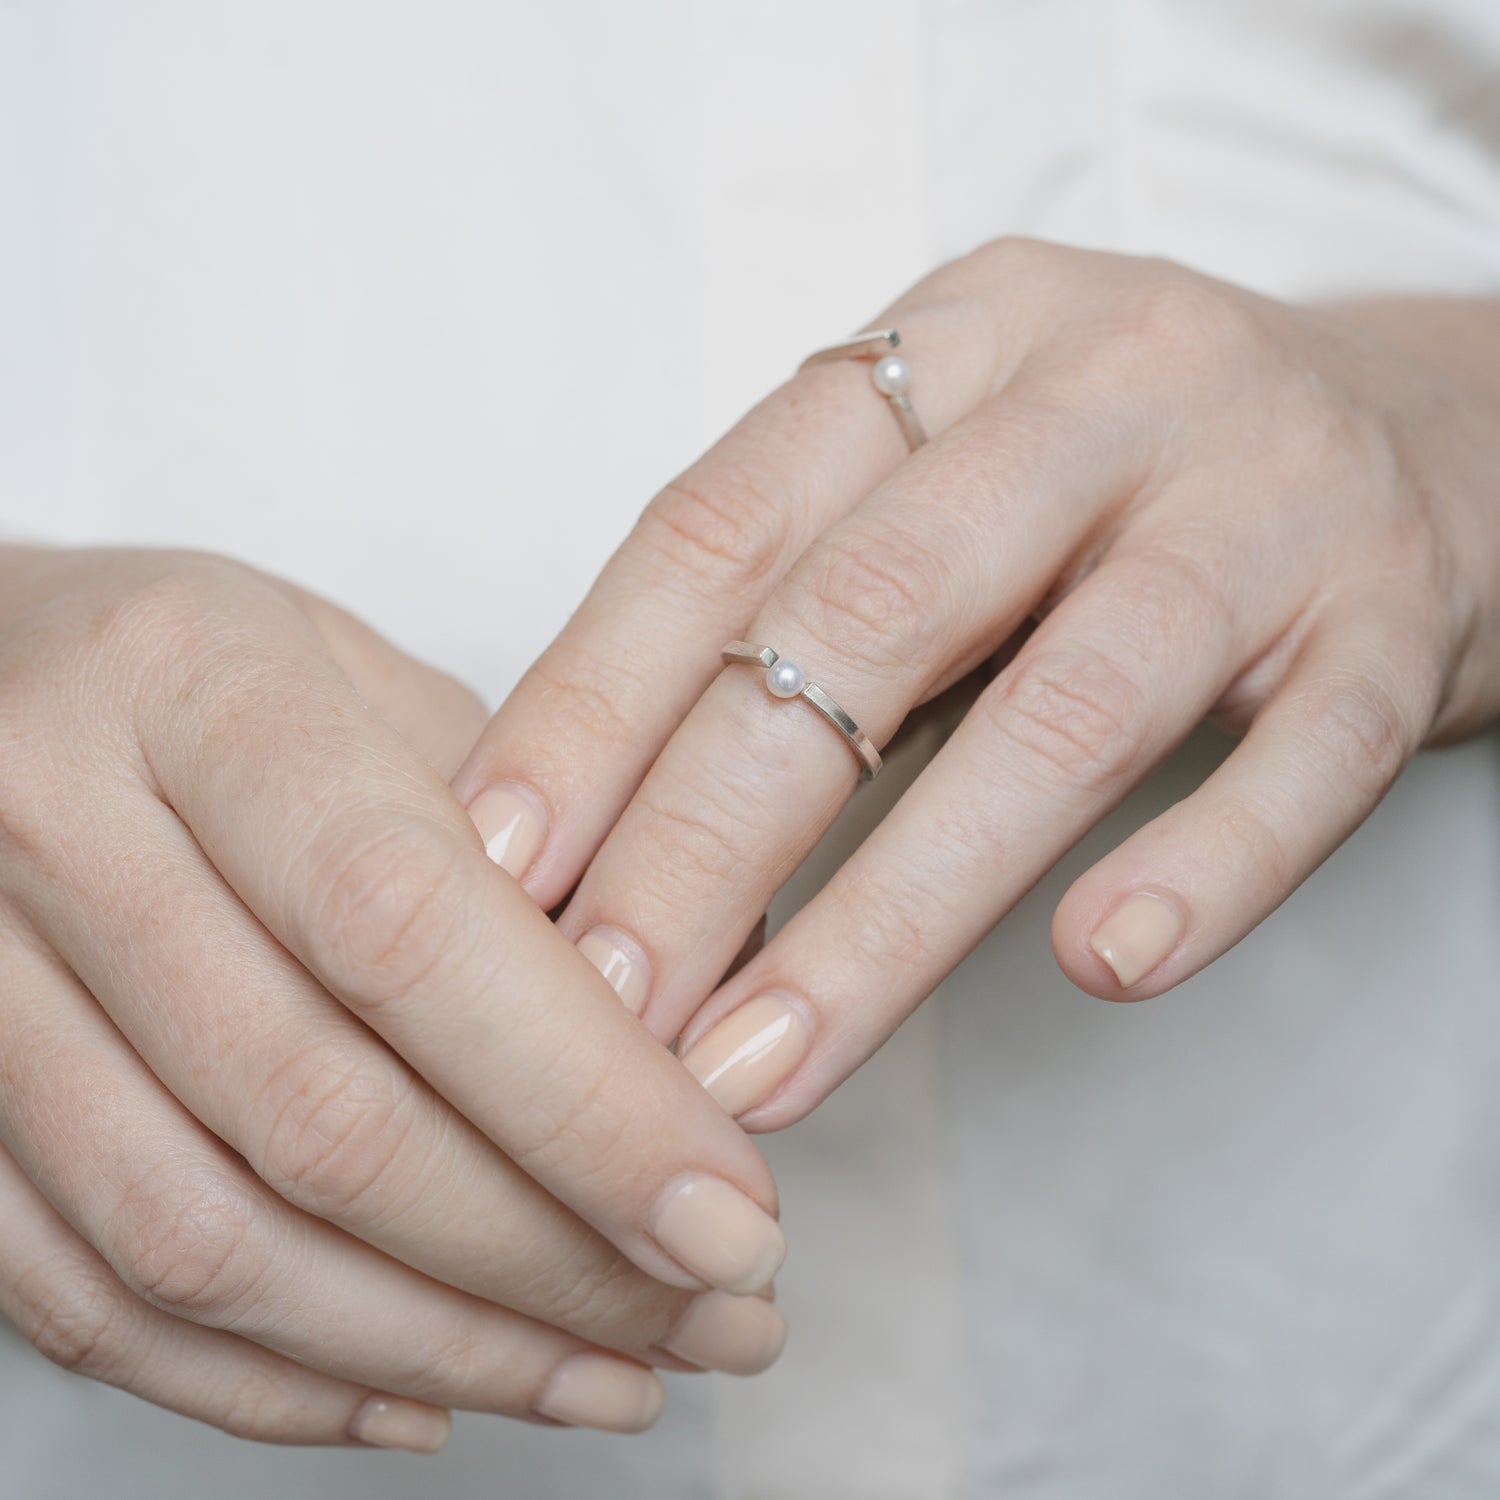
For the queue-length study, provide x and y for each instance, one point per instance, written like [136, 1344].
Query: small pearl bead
[891, 376]
[786, 679]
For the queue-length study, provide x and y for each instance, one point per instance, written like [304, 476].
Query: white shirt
[419, 303]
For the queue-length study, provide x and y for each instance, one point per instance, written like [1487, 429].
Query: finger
[359, 861]
[569, 746]
[190, 1231]
[69, 1304]
[434, 713]
[1357, 701]
[913, 589]
[317, 1106]
[1106, 686]
[324, 1113]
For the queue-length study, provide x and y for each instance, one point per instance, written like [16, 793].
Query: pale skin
[242, 908]
[1286, 519]
[250, 950]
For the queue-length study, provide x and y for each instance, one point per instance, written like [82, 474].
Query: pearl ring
[786, 679]
[890, 375]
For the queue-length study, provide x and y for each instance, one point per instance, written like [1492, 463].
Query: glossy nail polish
[621, 962]
[512, 824]
[1137, 935]
[745, 1058]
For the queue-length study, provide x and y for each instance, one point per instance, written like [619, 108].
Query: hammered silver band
[785, 679]
[890, 374]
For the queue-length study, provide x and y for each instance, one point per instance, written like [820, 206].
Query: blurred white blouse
[419, 302]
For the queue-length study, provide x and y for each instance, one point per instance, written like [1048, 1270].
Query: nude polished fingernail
[718, 1233]
[512, 824]
[1135, 937]
[391, 1422]
[621, 962]
[598, 1390]
[743, 1059]
[739, 1335]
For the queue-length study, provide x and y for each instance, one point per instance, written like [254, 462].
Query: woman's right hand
[313, 1125]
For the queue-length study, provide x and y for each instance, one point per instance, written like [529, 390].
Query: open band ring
[786, 679]
[890, 373]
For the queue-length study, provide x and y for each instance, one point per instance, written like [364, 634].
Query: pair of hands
[315, 1125]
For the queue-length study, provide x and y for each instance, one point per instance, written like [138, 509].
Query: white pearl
[891, 376]
[786, 679]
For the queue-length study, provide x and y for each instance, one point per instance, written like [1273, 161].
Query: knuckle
[168, 616]
[1177, 591]
[694, 832]
[1254, 834]
[70, 1313]
[338, 1129]
[1074, 714]
[1356, 723]
[895, 917]
[185, 1246]
[873, 593]
[388, 912]
[1006, 258]
[573, 1291]
[256, 1408]
[586, 697]
[723, 527]
[1188, 322]
[585, 1140]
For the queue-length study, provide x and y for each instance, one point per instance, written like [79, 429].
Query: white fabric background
[418, 303]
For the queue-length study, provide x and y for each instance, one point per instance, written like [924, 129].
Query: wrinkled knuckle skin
[587, 1141]
[1358, 725]
[583, 698]
[389, 913]
[868, 595]
[1074, 716]
[338, 1130]
[615, 1305]
[724, 531]
[169, 619]
[71, 1313]
[183, 1246]
[256, 1409]
[1253, 835]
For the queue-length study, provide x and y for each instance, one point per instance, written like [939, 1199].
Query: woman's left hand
[1280, 517]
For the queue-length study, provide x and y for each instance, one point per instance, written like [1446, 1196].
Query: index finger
[357, 858]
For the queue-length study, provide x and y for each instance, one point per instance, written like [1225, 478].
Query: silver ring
[786, 679]
[890, 373]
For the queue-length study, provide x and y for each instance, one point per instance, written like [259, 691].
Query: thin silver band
[745, 653]
[890, 374]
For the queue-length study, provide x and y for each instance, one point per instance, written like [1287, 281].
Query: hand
[308, 1108]
[1280, 517]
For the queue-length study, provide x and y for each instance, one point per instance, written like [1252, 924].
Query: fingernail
[739, 1335]
[745, 1057]
[391, 1422]
[718, 1233]
[512, 824]
[597, 1390]
[621, 962]
[1136, 936]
